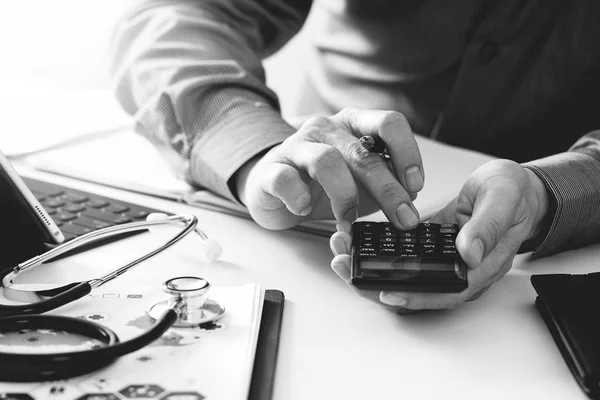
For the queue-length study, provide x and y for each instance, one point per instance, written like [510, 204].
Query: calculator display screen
[409, 265]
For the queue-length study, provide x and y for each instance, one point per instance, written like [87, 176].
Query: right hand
[323, 172]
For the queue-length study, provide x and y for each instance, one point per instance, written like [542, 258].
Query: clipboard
[267, 348]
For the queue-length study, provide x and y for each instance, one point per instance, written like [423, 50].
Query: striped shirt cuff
[574, 181]
[232, 142]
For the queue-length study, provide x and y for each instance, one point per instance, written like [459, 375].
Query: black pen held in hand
[374, 144]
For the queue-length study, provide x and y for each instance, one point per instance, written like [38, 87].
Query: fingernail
[351, 215]
[338, 246]
[477, 249]
[406, 216]
[393, 299]
[414, 178]
[306, 211]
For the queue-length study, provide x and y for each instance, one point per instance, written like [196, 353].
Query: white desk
[336, 345]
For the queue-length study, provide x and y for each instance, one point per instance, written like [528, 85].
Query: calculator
[423, 259]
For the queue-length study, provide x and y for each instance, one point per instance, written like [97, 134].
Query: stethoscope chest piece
[189, 295]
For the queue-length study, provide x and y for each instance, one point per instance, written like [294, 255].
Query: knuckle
[317, 122]
[347, 197]
[389, 190]
[493, 230]
[362, 158]
[347, 112]
[327, 158]
[393, 119]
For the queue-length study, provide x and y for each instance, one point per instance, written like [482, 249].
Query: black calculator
[423, 259]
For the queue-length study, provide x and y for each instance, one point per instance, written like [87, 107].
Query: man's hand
[500, 206]
[323, 172]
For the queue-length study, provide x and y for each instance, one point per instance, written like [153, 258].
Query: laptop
[38, 214]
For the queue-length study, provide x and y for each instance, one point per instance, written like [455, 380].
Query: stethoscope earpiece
[212, 250]
[156, 217]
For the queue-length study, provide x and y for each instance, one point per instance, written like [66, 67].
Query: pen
[375, 145]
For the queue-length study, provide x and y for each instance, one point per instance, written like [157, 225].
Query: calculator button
[428, 246]
[448, 226]
[448, 252]
[386, 251]
[447, 230]
[388, 240]
[428, 241]
[407, 234]
[386, 233]
[408, 240]
[408, 250]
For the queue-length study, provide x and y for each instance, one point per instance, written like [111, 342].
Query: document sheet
[212, 361]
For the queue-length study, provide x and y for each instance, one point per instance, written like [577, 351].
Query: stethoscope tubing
[61, 296]
[26, 367]
[22, 367]
[60, 299]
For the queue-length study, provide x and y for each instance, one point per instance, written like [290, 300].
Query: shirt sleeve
[573, 179]
[191, 74]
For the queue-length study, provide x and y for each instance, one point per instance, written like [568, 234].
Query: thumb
[492, 216]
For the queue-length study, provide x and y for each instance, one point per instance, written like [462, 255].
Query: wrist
[240, 178]
[542, 205]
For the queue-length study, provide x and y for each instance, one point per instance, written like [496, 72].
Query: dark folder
[265, 361]
[570, 307]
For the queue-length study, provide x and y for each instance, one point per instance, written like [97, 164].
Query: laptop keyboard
[77, 212]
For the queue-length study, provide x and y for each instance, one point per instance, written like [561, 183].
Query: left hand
[500, 206]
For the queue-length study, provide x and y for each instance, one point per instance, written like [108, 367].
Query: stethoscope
[188, 305]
